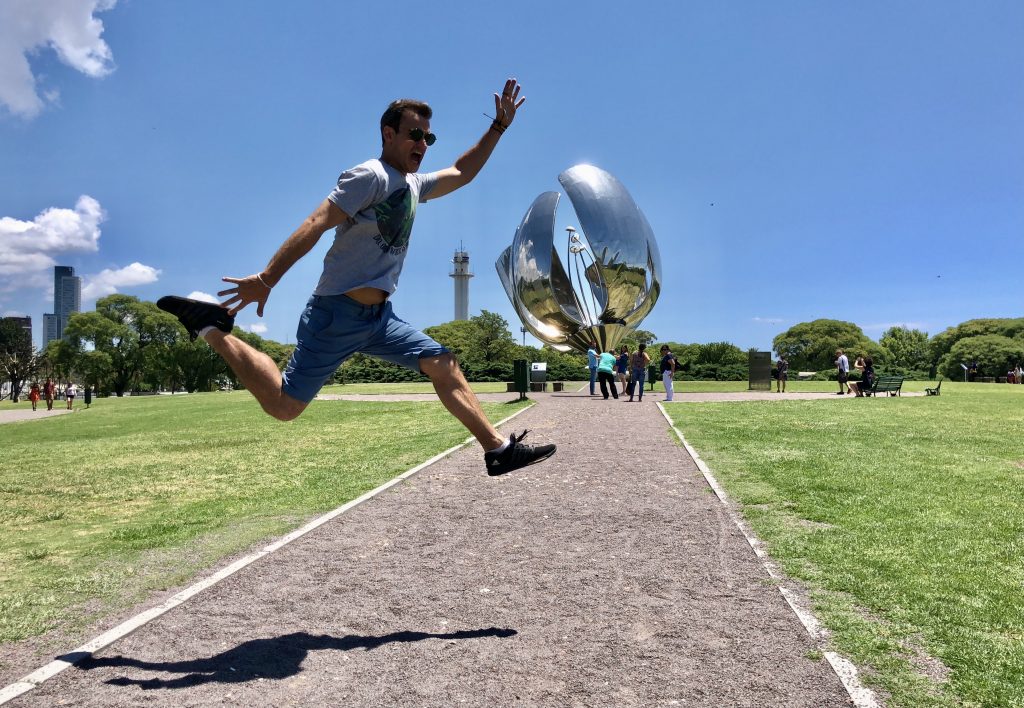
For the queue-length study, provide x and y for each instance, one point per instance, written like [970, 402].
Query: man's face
[400, 150]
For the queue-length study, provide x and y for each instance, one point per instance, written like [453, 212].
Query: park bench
[933, 391]
[886, 384]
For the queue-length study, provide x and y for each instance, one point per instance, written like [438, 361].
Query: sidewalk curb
[861, 696]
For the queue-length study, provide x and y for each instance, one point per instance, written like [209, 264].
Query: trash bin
[538, 376]
[520, 377]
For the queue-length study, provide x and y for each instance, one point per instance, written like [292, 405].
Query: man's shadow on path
[273, 658]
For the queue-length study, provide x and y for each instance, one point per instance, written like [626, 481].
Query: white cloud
[27, 248]
[256, 328]
[68, 27]
[768, 320]
[205, 297]
[108, 281]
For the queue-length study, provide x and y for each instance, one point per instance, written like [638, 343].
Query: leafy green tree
[60, 359]
[122, 327]
[943, 342]
[724, 353]
[494, 342]
[994, 353]
[907, 349]
[18, 359]
[811, 346]
[637, 337]
[196, 366]
[460, 336]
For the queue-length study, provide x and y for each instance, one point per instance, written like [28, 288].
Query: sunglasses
[417, 135]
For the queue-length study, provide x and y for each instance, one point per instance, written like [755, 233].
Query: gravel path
[19, 414]
[609, 575]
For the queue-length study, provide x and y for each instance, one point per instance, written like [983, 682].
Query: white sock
[206, 330]
[501, 448]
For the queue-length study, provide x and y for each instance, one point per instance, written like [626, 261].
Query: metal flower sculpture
[611, 276]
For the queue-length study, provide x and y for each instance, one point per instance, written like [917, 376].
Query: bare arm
[256, 287]
[472, 161]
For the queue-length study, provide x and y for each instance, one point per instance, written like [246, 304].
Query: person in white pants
[668, 368]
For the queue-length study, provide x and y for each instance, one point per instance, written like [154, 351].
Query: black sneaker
[196, 314]
[516, 455]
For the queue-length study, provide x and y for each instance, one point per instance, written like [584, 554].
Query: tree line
[995, 345]
[129, 345]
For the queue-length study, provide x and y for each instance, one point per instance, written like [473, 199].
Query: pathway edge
[27, 683]
[861, 696]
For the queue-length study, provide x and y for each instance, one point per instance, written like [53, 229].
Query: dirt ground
[609, 575]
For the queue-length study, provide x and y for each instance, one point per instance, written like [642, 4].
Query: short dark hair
[396, 109]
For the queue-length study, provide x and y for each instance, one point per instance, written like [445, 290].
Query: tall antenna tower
[461, 275]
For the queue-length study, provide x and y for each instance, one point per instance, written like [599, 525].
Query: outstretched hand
[248, 289]
[506, 105]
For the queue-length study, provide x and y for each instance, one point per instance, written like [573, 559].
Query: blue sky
[796, 160]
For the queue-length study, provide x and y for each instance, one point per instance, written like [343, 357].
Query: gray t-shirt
[369, 248]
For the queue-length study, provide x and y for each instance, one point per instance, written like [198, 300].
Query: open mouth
[417, 157]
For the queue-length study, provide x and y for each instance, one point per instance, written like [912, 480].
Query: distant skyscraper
[460, 273]
[67, 299]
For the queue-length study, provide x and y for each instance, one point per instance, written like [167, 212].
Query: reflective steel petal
[611, 276]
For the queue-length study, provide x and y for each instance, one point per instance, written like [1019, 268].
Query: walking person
[606, 374]
[49, 391]
[638, 371]
[782, 375]
[668, 370]
[372, 209]
[622, 367]
[867, 379]
[843, 368]
[33, 395]
[70, 391]
[592, 356]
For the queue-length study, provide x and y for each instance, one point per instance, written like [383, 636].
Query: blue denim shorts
[334, 327]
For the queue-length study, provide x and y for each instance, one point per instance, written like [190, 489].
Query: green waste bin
[652, 375]
[521, 376]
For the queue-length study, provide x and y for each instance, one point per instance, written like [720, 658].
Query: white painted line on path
[862, 697]
[122, 630]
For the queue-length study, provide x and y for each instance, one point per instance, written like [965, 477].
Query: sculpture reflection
[611, 275]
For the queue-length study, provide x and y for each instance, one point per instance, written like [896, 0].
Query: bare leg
[258, 373]
[456, 395]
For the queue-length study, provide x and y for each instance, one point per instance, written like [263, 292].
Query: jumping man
[372, 210]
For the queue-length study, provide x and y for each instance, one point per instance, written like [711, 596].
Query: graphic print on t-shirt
[394, 221]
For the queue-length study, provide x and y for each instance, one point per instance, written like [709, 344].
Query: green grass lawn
[99, 507]
[905, 517]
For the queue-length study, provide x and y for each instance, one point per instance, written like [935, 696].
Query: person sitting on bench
[867, 379]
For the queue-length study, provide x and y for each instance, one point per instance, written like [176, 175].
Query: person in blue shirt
[592, 356]
[606, 374]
